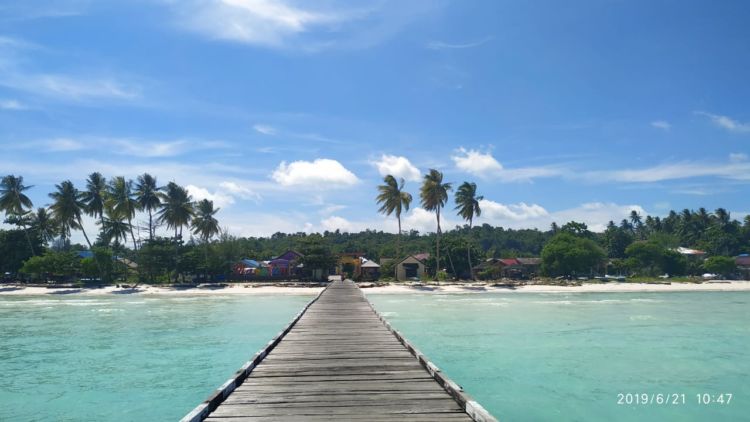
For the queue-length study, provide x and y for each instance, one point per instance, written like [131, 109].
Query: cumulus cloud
[219, 198]
[726, 122]
[485, 166]
[242, 191]
[496, 211]
[661, 124]
[321, 173]
[398, 167]
[334, 223]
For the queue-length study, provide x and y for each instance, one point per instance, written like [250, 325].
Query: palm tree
[176, 211]
[123, 203]
[393, 199]
[176, 208]
[434, 195]
[467, 205]
[67, 208]
[147, 196]
[94, 197]
[43, 223]
[205, 224]
[14, 202]
[114, 227]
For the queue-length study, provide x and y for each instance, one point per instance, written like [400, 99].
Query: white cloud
[425, 221]
[76, 88]
[484, 165]
[219, 198]
[398, 167]
[492, 210]
[63, 144]
[661, 124]
[265, 129]
[297, 25]
[596, 215]
[12, 105]
[737, 157]
[334, 223]
[321, 173]
[673, 171]
[237, 189]
[726, 122]
[440, 45]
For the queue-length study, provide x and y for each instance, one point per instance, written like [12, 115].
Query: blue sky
[287, 113]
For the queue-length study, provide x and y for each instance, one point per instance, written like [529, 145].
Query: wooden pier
[339, 360]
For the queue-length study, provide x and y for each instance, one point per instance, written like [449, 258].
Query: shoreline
[469, 288]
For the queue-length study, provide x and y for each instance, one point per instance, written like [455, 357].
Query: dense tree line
[41, 237]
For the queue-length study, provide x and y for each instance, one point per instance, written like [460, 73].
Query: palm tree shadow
[424, 288]
[10, 289]
[66, 292]
[474, 288]
[129, 291]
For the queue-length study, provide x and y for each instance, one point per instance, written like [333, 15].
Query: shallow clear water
[565, 357]
[126, 358]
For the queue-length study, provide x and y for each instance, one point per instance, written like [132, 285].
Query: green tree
[434, 195]
[67, 208]
[467, 205]
[94, 197]
[176, 212]
[44, 225]
[317, 256]
[566, 254]
[204, 224]
[722, 265]
[123, 203]
[147, 196]
[393, 199]
[645, 257]
[14, 202]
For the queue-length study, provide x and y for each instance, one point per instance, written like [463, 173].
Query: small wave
[641, 317]
[389, 314]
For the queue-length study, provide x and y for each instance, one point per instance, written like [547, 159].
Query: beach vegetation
[434, 195]
[721, 265]
[569, 255]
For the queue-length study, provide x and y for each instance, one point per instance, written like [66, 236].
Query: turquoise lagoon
[127, 357]
[526, 357]
[567, 357]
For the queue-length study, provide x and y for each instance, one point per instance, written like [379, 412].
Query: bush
[722, 265]
[566, 254]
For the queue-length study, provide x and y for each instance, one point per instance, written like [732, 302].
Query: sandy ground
[389, 289]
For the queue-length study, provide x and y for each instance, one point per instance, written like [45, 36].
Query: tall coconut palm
[114, 226]
[204, 224]
[123, 203]
[393, 199]
[434, 195]
[67, 208]
[147, 196]
[43, 223]
[14, 202]
[94, 197]
[176, 208]
[467, 205]
[176, 212]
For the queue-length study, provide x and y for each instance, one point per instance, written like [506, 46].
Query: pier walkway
[339, 360]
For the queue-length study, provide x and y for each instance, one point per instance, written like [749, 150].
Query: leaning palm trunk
[437, 251]
[28, 239]
[468, 254]
[135, 250]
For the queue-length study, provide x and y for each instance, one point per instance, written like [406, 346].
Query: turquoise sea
[524, 356]
[567, 357]
[127, 357]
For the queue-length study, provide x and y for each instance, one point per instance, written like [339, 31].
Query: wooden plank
[340, 361]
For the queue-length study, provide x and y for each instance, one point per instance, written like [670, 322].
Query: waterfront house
[743, 265]
[412, 267]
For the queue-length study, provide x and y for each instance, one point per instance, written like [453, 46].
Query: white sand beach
[469, 288]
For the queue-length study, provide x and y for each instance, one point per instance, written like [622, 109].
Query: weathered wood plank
[339, 361]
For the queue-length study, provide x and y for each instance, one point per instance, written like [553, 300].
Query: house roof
[250, 263]
[85, 254]
[421, 257]
[529, 261]
[742, 261]
[509, 261]
[688, 251]
[370, 264]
